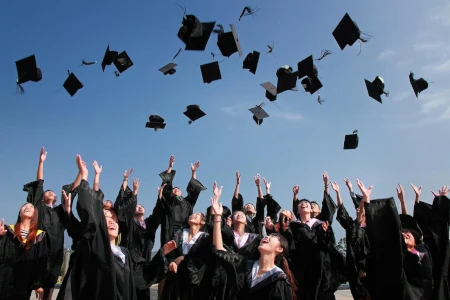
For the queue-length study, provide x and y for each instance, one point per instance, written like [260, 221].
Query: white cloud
[289, 116]
[437, 103]
[235, 110]
[440, 15]
[438, 67]
[385, 55]
[403, 95]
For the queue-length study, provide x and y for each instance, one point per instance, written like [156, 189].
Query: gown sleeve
[237, 203]
[167, 178]
[328, 208]
[283, 291]
[259, 217]
[35, 191]
[344, 218]
[125, 207]
[272, 208]
[193, 190]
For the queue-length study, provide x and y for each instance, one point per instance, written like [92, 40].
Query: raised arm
[272, 206]
[342, 215]
[295, 200]
[238, 183]
[98, 170]
[217, 211]
[40, 170]
[325, 181]
[126, 174]
[167, 177]
[194, 187]
[35, 189]
[417, 192]
[237, 203]
[401, 198]
[257, 179]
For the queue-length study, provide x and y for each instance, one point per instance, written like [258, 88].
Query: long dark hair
[282, 263]
[31, 237]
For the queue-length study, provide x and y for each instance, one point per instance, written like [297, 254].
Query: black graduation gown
[192, 280]
[253, 225]
[227, 239]
[434, 222]
[96, 272]
[386, 277]
[134, 236]
[21, 271]
[176, 210]
[248, 250]
[418, 271]
[358, 249]
[275, 287]
[50, 221]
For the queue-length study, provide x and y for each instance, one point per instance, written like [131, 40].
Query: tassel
[324, 53]
[183, 8]
[220, 30]
[248, 11]
[179, 51]
[271, 47]
[319, 99]
[20, 89]
[87, 63]
[117, 73]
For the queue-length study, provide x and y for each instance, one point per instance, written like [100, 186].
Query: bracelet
[125, 179]
[217, 221]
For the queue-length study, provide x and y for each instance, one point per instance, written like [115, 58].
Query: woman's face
[239, 217]
[270, 244]
[107, 204]
[176, 192]
[315, 209]
[410, 241]
[49, 198]
[113, 227]
[27, 211]
[250, 208]
[140, 210]
[196, 219]
[304, 207]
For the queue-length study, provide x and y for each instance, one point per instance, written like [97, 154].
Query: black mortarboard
[251, 62]
[169, 69]
[27, 70]
[409, 223]
[211, 72]
[259, 114]
[228, 43]
[271, 91]
[194, 33]
[311, 84]
[287, 79]
[351, 141]
[108, 58]
[376, 88]
[347, 32]
[72, 84]
[307, 68]
[122, 62]
[193, 112]
[156, 122]
[418, 85]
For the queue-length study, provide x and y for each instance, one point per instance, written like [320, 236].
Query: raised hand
[82, 169]
[2, 227]
[160, 191]
[216, 206]
[217, 192]
[136, 185]
[171, 161]
[267, 184]
[269, 223]
[195, 166]
[325, 226]
[67, 201]
[400, 193]
[364, 191]
[335, 186]
[325, 177]
[238, 177]
[348, 184]
[169, 247]
[443, 191]
[417, 190]
[257, 179]
[296, 189]
[127, 173]
[97, 168]
[42, 155]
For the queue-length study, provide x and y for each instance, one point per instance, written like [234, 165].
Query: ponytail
[284, 265]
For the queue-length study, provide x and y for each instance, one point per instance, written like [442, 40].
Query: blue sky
[401, 141]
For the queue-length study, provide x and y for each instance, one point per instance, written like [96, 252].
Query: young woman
[268, 277]
[23, 256]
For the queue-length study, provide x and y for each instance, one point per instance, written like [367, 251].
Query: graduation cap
[169, 69]
[108, 58]
[347, 32]
[409, 223]
[287, 79]
[376, 88]
[193, 112]
[228, 42]
[259, 114]
[251, 62]
[156, 122]
[351, 141]
[122, 62]
[311, 84]
[307, 68]
[194, 33]
[72, 84]
[211, 72]
[27, 70]
[271, 91]
[418, 85]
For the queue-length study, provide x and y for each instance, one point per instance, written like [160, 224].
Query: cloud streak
[289, 116]
[385, 55]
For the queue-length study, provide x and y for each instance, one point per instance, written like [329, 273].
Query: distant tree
[342, 246]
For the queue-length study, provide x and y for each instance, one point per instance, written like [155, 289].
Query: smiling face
[27, 211]
[49, 197]
[249, 209]
[239, 218]
[304, 207]
[409, 239]
[315, 210]
[140, 210]
[176, 192]
[270, 245]
[197, 219]
[113, 227]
